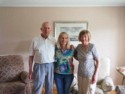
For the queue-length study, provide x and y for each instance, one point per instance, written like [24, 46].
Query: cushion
[107, 84]
[98, 91]
[12, 88]
[25, 77]
[74, 85]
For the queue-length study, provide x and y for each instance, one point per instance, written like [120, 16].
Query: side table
[121, 70]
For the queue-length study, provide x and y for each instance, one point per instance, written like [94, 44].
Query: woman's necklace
[63, 49]
[85, 47]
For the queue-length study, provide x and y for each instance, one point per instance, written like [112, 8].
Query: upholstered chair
[13, 78]
[104, 83]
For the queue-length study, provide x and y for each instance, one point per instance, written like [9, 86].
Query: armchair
[104, 83]
[13, 78]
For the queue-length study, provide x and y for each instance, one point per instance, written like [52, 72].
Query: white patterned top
[86, 57]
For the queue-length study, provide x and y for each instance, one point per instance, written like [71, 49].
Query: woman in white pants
[88, 58]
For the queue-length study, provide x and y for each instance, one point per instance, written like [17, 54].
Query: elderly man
[42, 52]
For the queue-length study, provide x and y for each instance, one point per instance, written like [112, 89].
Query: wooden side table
[121, 70]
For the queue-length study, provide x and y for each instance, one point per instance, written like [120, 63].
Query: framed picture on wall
[72, 28]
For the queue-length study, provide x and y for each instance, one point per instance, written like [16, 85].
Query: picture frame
[72, 28]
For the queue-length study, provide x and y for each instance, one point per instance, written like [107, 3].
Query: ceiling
[60, 3]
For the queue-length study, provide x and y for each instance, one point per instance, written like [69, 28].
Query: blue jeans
[63, 83]
[43, 72]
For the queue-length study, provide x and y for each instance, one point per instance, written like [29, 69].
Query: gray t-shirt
[86, 57]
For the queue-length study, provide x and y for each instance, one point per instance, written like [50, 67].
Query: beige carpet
[113, 92]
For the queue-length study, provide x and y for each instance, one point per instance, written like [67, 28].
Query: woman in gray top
[88, 58]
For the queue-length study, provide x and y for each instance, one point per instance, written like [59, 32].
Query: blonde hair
[58, 41]
[84, 32]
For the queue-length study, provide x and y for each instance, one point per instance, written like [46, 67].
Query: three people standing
[44, 51]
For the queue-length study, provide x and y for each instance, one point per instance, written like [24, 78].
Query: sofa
[13, 78]
[104, 83]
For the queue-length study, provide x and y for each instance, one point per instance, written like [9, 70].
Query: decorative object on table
[121, 70]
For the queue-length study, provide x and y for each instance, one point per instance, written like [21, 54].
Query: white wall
[18, 25]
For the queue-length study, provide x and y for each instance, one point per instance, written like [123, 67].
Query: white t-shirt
[43, 49]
